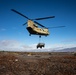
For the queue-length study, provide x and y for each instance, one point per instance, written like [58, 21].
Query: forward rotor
[33, 19]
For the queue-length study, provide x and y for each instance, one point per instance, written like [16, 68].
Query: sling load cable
[39, 40]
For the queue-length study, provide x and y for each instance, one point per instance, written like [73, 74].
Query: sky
[14, 36]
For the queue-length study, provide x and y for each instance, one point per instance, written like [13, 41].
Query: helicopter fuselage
[35, 30]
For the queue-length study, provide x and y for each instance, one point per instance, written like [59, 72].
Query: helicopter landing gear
[39, 36]
[29, 34]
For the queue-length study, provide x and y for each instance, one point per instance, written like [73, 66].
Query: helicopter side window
[40, 29]
[43, 29]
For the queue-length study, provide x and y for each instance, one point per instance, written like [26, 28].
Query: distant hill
[66, 50]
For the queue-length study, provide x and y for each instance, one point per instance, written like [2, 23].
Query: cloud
[3, 29]
[9, 44]
[14, 45]
[60, 46]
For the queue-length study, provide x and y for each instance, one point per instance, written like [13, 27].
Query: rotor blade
[44, 18]
[39, 24]
[24, 23]
[56, 27]
[19, 13]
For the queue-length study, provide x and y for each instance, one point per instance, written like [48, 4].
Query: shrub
[74, 54]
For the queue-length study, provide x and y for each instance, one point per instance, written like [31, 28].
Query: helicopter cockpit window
[35, 25]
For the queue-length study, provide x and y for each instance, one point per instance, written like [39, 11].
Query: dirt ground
[34, 63]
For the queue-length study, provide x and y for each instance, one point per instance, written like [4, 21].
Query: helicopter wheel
[40, 36]
[29, 34]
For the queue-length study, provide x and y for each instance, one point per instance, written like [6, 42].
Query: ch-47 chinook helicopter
[32, 25]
